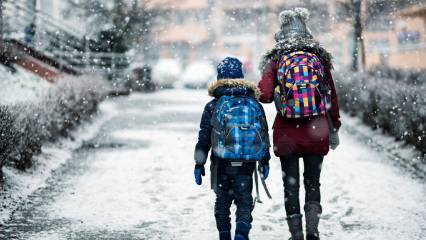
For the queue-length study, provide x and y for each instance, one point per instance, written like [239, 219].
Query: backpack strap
[256, 181]
[266, 188]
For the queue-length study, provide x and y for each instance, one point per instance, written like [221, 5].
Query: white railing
[56, 39]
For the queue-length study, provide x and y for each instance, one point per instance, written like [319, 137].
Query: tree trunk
[1, 19]
[33, 7]
[357, 34]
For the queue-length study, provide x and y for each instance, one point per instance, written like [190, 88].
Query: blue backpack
[240, 130]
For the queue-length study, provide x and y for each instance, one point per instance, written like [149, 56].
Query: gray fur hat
[293, 24]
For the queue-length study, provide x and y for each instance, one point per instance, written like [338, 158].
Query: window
[179, 17]
[409, 39]
[379, 45]
[200, 16]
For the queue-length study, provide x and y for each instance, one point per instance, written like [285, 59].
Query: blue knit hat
[230, 68]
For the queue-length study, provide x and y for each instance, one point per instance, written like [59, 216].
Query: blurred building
[210, 29]
[181, 29]
[191, 30]
[393, 38]
[408, 41]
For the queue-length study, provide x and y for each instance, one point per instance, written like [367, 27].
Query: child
[234, 126]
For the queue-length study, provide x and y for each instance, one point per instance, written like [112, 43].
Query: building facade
[210, 29]
[394, 34]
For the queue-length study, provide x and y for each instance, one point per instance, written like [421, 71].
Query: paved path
[134, 181]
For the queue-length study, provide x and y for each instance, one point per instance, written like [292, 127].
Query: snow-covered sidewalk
[135, 181]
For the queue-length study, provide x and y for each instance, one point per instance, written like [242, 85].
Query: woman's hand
[334, 139]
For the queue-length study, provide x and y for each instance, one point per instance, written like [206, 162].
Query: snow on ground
[19, 185]
[134, 180]
[404, 155]
[20, 86]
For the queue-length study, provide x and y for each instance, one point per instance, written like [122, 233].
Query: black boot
[226, 235]
[295, 226]
[313, 212]
[242, 231]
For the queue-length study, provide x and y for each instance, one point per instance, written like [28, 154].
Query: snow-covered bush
[166, 72]
[25, 126]
[198, 75]
[405, 76]
[7, 133]
[394, 105]
[20, 86]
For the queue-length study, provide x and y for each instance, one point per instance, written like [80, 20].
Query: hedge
[24, 127]
[406, 76]
[388, 100]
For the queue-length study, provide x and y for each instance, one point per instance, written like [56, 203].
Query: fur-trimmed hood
[233, 87]
[296, 44]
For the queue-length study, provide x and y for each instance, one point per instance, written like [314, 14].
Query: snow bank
[26, 125]
[20, 86]
[198, 75]
[166, 72]
[18, 185]
[398, 106]
[34, 113]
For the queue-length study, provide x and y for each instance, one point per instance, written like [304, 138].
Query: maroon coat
[299, 136]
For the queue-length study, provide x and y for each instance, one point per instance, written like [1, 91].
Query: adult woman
[300, 136]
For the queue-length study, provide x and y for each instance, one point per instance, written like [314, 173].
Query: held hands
[264, 170]
[334, 139]
[198, 172]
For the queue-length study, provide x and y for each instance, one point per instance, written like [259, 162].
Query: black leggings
[312, 172]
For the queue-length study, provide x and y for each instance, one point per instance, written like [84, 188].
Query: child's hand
[198, 172]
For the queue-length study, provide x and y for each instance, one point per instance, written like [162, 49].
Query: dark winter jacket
[298, 136]
[220, 88]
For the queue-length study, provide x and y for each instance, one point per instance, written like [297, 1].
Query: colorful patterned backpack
[240, 130]
[298, 93]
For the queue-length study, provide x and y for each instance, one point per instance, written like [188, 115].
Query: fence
[57, 39]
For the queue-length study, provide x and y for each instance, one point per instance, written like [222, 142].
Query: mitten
[199, 171]
[334, 139]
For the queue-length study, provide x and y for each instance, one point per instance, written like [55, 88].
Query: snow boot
[242, 231]
[313, 212]
[226, 235]
[295, 226]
